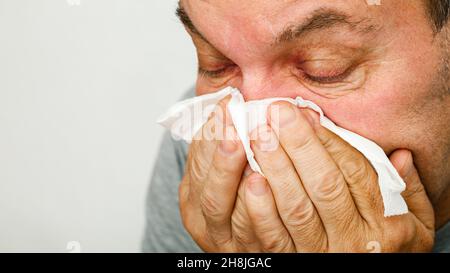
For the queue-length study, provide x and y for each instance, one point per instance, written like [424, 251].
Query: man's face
[376, 70]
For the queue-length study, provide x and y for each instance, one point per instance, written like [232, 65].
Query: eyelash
[214, 74]
[325, 80]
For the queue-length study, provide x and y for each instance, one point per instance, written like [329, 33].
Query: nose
[261, 84]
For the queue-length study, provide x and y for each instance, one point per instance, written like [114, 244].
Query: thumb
[414, 194]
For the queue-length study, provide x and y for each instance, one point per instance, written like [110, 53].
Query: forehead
[251, 26]
[274, 13]
[275, 8]
[261, 20]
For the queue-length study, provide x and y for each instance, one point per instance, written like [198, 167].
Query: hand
[208, 191]
[326, 192]
[212, 192]
[320, 195]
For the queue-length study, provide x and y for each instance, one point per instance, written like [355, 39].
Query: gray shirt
[164, 231]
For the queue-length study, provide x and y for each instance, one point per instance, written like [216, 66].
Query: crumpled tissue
[184, 123]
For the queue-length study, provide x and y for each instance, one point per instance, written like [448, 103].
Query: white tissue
[184, 123]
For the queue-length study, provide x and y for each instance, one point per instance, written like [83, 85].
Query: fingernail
[228, 146]
[282, 114]
[248, 170]
[258, 185]
[264, 139]
[311, 116]
[229, 143]
[219, 115]
[408, 166]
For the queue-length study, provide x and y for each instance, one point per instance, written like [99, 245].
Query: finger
[203, 147]
[243, 233]
[293, 203]
[220, 187]
[361, 178]
[192, 218]
[205, 140]
[199, 163]
[322, 179]
[415, 195]
[263, 214]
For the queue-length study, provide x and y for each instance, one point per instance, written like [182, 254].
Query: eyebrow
[187, 22]
[320, 19]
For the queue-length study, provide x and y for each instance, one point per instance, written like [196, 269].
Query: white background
[80, 89]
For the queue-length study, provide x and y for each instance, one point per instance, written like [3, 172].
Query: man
[381, 71]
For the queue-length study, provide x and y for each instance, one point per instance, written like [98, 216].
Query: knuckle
[211, 208]
[198, 168]
[329, 188]
[412, 189]
[242, 237]
[398, 234]
[349, 222]
[301, 215]
[355, 169]
[275, 243]
[303, 141]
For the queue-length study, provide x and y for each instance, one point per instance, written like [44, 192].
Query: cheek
[373, 118]
[388, 109]
[203, 87]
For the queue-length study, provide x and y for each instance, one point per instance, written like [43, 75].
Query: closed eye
[214, 74]
[327, 79]
[326, 76]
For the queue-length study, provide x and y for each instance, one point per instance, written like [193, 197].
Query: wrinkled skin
[382, 74]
